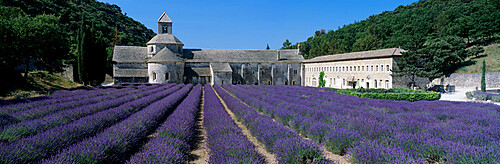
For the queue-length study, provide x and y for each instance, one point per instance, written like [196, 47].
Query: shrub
[393, 94]
[469, 94]
[495, 98]
[481, 97]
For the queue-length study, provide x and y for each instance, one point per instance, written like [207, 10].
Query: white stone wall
[367, 73]
[157, 72]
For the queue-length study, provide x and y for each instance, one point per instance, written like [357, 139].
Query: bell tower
[164, 24]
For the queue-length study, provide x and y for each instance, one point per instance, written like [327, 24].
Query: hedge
[392, 94]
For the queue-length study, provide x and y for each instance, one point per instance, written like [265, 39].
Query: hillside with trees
[476, 21]
[49, 34]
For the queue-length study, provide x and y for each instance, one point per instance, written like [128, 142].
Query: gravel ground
[459, 95]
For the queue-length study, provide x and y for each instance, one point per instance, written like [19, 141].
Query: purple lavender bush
[171, 144]
[113, 144]
[52, 141]
[287, 145]
[225, 141]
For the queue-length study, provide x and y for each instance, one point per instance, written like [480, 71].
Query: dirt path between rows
[328, 155]
[199, 154]
[269, 157]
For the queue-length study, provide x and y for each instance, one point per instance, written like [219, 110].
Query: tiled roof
[130, 54]
[389, 52]
[164, 18]
[165, 39]
[221, 67]
[241, 56]
[165, 55]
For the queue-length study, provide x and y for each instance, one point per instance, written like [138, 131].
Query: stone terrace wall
[467, 80]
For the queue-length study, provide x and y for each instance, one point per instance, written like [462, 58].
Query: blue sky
[251, 24]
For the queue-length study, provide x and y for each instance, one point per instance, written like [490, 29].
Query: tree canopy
[474, 20]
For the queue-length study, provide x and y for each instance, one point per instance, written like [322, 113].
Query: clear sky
[251, 24]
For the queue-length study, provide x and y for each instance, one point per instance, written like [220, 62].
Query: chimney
[278, 55]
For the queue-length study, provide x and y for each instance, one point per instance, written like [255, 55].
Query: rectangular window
[358, 69]
[372, 68]
[354, 68]
[388, 69]
[362, 68]
[294, 71]
[382, 68]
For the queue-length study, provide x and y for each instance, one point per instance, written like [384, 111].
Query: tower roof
[165, 55]
[164, 18]
[165, 39]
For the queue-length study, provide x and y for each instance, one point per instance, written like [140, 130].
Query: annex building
[165, 60]
[366, 69]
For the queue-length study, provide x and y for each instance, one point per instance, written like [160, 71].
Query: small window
[358, 69]
[165, 29]
[151, 49]
[286, 82]
[376, 68]
[388, 69]
[294, 71]
[372, 70]
[362, 68]
[269, 82]
[154, 76]
[293, 82]
[222, 82]
[354, 68]
[382, 68]
[167, 76]
[253, 72]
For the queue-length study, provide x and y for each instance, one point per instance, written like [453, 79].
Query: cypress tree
[321, 80]
[483, 77]
[82, 77]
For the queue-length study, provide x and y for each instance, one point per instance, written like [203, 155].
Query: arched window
[167, 76]
[154, 76]
[151, 49]
[372, 68]
[375, 82]
[362, 68]
[165, 29]
[376, 68]
[293, 82]
[388, 69]
[382, 68]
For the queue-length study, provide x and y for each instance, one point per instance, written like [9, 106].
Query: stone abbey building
[164, 60]
[366, 69]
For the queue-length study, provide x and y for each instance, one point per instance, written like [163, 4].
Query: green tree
[92, 55]
[321, 81]
[286, 44]
[483, 77]
[267, 48]
[32, 41]
[411, 65]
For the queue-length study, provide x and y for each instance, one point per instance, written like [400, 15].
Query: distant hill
[492, 57]
[477, 21]
[114, 26]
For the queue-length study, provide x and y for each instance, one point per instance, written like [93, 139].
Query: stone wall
[469, 80]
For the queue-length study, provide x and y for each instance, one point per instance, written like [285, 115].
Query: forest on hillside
[48, 34]
[410, 27]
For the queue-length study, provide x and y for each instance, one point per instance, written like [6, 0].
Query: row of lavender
[30, 127]
[171, 145]
[225, 140]
[383, 130]
[286, 144]
[114, 144]
[68, 137]
[10, 114]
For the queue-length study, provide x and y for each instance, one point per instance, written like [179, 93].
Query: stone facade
[469, 80]
[164, 60]
[367, 69]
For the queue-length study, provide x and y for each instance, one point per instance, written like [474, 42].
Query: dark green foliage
[92, 55]
[321, 81]
[483, 77]
[286, 44]
[475, 21]
[267, 48]
[31, 40]
[110, 24]
[392, 94]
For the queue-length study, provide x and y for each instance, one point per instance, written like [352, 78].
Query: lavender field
[160, 123]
